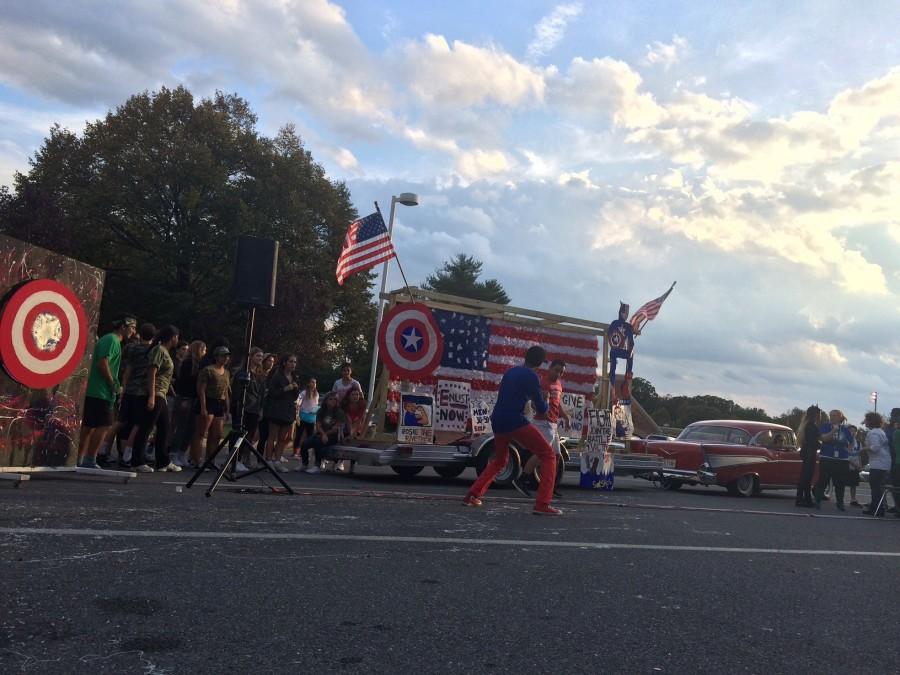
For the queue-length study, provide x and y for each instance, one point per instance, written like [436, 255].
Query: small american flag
[649, 311]
[367, 244]
[480, 350]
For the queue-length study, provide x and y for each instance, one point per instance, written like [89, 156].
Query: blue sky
[587, 152]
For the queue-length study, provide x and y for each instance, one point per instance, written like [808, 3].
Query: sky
[586, 152]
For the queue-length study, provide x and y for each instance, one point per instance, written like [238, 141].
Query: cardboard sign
[416, 424]
[624, 425]
[599, 430]
[573, 405]
[482, 405]
[452, 406]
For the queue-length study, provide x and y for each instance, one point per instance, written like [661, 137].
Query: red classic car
[744, 457]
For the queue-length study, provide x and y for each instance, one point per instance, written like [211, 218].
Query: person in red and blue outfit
[519, 385]
[621, 342]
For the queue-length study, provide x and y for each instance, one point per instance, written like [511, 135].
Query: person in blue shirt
[834, 457]
[519, 385]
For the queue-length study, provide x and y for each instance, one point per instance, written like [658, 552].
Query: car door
[789, 463]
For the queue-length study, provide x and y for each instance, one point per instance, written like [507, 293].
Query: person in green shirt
[102, 387]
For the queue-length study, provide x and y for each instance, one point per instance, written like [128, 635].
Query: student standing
[879, 462]
[808, 432]
[154, 412]
[834, 458]
[213, 391]
[281, 408]
[102, 387]
[308, 406]
[519, 385]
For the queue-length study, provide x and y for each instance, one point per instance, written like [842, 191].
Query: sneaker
[180, 461]
[856, 503]
[143, 468]
[471, 500]
[339, 466]
[519, 484]
[283, 459]
[312, 469]
[171, 467]
[546, 511]
[240, 466]
[88, 463]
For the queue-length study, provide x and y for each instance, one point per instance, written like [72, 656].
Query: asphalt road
[375, 574]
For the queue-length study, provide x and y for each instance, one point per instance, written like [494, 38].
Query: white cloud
[550, 29]
[475, 164]
[664, 54]
[462, 75]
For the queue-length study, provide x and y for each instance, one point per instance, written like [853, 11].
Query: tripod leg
[234, 441]
[209, 462]
[268, 467]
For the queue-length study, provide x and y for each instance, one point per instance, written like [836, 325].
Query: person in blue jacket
[520, 384]
[834, 457]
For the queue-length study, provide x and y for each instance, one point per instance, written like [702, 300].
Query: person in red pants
[519, 385]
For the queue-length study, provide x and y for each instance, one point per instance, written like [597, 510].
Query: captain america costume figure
[621, 342]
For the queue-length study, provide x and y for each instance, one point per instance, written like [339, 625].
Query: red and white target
[410, 341]
[43, 331]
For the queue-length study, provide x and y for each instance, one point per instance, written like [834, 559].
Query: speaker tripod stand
[237, 437]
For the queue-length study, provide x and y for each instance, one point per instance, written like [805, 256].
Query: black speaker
[256, 271]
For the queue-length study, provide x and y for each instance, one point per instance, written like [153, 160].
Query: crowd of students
[841, 451]
[147, 382]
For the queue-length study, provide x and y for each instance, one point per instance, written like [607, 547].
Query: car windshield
[710, 433]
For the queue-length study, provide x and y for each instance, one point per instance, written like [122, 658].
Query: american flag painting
[367, 244]
[479, 350]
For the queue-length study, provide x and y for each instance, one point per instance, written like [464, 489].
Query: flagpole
[407, 199]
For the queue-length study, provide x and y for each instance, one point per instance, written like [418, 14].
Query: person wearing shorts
[102, 387]
[213, 390]
[547, 424]
[519, 385]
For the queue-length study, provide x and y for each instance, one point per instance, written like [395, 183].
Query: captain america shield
[43, 331]
[410, 342]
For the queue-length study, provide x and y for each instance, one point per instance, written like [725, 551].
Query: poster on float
[416, 423]
[452, 405]
[573, 406]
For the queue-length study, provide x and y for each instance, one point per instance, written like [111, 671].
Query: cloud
[664, 54]
[462, 75]
[550, 30]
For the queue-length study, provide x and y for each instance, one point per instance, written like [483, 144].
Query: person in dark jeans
[835, 457]
[185, 401]
[879, 453]
[809, 450]
[155, 411]
[330, 421]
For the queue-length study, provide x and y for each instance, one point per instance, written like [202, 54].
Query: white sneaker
[283, 459]
[143, 468]
[312, 469]
[339, 466]
[172, 467]
[239, 466]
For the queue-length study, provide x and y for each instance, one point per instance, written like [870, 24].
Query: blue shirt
[836, 449]
[621, 336]
[518, 386]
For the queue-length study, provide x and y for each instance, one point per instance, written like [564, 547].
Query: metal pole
[384, 278]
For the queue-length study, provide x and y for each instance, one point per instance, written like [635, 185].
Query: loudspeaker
[255, 271]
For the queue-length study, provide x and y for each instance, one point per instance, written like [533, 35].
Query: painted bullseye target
[43, 332]
[410, 342]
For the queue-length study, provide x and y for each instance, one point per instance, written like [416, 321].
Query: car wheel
[671, 484]
[451, 471]
[407, 471]
[745, 486]
[512, 469]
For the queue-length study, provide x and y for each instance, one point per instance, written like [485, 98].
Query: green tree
[156, 194]
[644, 393]
[459, 276]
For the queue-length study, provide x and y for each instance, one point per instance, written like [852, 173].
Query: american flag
[479, 350]
[649, 311]
[367, 244]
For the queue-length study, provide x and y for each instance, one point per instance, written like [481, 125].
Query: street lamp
[406, 199]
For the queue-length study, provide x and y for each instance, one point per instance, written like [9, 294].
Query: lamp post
[873, 397]
[406, 199]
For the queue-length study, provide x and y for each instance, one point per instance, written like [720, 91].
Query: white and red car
[743, 457]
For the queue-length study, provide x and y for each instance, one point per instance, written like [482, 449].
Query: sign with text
[482, 405]
[573, 405]
[452, 405]
[416, 419]
[599, 430]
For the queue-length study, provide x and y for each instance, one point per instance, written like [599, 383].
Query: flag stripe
[367, 244]
[572, 357]
[351, 261]
[542, 336]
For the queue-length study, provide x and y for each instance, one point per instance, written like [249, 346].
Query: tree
[459, 276]
[644, 393]
[156, 194]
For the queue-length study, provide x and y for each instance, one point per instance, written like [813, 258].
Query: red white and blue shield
[43, 331]
[410, 341]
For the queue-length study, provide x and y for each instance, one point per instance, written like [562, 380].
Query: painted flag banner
[480, 350]
[367, 244]
[648, 311]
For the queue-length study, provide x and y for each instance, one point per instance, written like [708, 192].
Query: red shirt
[554, 401]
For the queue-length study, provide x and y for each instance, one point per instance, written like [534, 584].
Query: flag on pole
[367, 244]
[648, 311]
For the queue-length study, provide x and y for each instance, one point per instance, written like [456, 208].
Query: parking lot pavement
[373, 573]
